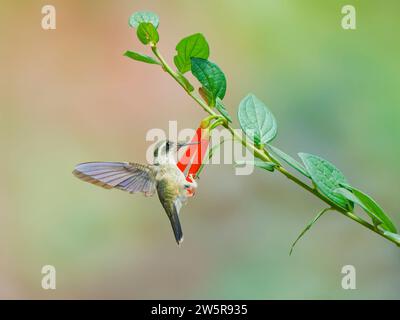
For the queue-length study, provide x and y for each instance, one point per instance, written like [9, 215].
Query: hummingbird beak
[182, 144]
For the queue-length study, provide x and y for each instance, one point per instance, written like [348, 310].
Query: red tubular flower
[194, 154]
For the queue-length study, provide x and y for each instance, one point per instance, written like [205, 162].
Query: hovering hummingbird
[162, 176]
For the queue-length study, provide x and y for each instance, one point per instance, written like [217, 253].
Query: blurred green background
[69, 96]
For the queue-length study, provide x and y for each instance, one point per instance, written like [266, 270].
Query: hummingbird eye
[168, 146]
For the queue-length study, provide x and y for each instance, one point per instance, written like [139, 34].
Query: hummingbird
[163, 177]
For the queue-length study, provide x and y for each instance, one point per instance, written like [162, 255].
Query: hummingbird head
[166, 150]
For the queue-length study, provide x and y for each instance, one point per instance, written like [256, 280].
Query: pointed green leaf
[290, 161]
[308, 227]
[147, 33]
[140, 57]
[326, 177]
[269, 166]
[257, 122]
[211, 77]
[143, 16]
[194, 46]
[369, 205]
[221, 108]
[353, 198]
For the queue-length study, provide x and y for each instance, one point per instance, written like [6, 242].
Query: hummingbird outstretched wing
[131, 177]
[170, 199]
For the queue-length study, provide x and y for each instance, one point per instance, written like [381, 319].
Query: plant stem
[262, 154]
[174, 75]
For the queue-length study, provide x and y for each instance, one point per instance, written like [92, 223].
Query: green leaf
[221, 108]
[185, 82]
[290, 161]
[353, 198]
[143, 16]
[211, 77]
[147, 33]
[369, 205]
[308, 227]
[140, 57]
[269, 166]
[257, 122]
[194, 46]
[327, 178]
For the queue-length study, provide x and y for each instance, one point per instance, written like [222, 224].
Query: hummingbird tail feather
[176, 227]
